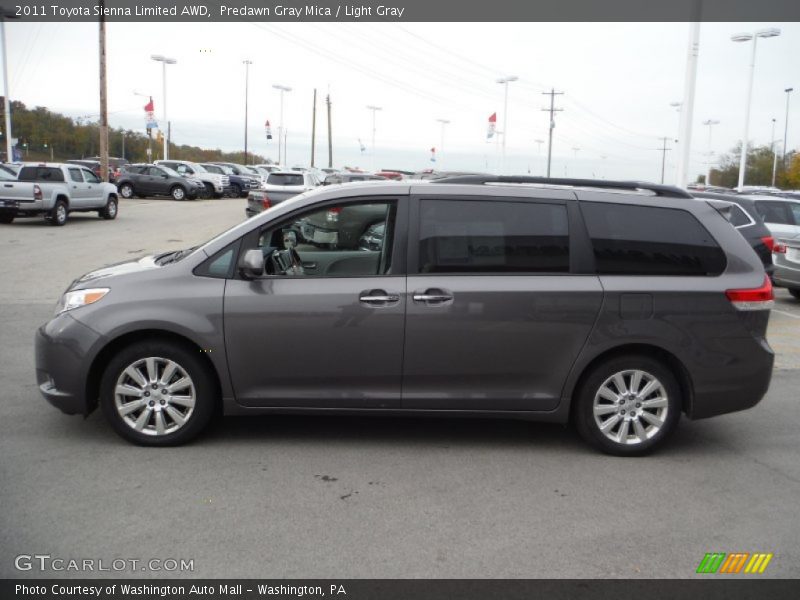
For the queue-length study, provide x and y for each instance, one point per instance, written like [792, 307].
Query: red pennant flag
[149, 106]
[492, 126]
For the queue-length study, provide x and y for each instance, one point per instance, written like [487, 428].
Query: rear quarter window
[648, 240]
[285, 179]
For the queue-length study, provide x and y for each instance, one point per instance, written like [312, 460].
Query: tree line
[760, 162]
[45, 135]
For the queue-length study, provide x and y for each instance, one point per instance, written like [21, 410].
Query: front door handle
[433, 296]
[378, 298]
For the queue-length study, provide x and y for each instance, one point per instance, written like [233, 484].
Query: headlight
[78, 298]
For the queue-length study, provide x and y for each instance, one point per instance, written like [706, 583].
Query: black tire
[188, 360]
[795, 292]
[236, 190]
[178, 193]
[59, 215]
[583, 409]
[126, 191]
[109, 211]
[7, 219]
[209, 190]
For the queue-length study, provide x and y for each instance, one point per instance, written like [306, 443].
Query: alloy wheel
[630, 407]
[155, 396]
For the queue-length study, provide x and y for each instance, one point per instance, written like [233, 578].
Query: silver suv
[615, 305]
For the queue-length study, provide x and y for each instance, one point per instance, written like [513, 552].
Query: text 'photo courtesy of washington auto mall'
[417, 299]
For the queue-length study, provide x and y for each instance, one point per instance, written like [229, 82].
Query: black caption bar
[402, 589]
[403, 10]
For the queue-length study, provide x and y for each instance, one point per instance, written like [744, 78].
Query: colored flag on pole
[433, 154]
[149, 115]
[268, 130]
[492, 126]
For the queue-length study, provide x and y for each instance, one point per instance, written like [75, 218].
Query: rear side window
[648, 240]
[739, 218]
[778, 213]
[40, 174]
[285, 179]
[490, 236]
[75, 175]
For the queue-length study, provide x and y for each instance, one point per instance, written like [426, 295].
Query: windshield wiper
[174, 256]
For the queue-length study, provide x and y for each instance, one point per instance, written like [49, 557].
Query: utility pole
[374, 110]
[664, 151]
[785, 125]
[103, 96]
[330, 138]
[6, 100]
[247, 64]
[774, 154]
[710, 123]
[552, 110]
[313, 127]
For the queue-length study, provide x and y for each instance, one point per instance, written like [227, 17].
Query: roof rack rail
[659, 190]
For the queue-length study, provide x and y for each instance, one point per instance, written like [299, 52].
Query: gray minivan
[616, 305]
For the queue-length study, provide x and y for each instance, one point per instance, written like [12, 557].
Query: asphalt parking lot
[369, 497]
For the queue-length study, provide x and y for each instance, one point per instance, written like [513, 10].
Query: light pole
[539, 150]
[678, 106]
[710, 124]
[575, 150]
[504, 81]
[164, 62]
[444, 123]
[246, 64]
[785, 125]
[281, 89]
[747, 37]
[374, 110]
[774, 153]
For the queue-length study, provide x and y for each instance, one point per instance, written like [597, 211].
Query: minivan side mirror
[251, 265]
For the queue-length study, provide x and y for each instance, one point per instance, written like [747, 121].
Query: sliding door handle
[433, 296]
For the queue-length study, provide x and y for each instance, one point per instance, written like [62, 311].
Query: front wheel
[109, 211]
[178, 193]
[795, 292]
[628, 405]
[236, 191]
[157, 394]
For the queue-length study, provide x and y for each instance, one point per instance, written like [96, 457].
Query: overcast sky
[618, 81]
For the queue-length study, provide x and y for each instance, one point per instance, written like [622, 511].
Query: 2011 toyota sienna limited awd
[616, 305]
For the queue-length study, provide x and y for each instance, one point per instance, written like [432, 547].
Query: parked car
[216, 184]
[239, 185]
[96, 168]
[787, 266]
[349, 227]
[350, 177]
[781, 215]
[247, 180]
[270, 168]
[54, 190]
[157, 180]
[615, 305]
[281, 185]
[746, 219]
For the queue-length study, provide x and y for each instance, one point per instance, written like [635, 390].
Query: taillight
[333, 214]
[760, 298]
[778, 248]
[37, 192]
[265, 203]
[769, 242]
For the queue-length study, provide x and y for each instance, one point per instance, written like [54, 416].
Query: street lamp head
[787, 90]
[283, 88]
[247, 62]
[508, 79]
[711, 122]
[163, 59]
[156, 57]
[443, 121]
[742, 37]
[370, 107]
[769, 32]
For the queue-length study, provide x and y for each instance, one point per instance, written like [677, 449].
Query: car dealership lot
[369, 497]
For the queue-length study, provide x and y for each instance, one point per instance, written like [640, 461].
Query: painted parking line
[788, 314]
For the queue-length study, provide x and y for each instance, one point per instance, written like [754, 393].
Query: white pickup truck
[281, 185]
[54, 190]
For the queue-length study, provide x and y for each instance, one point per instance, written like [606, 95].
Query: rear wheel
[236, 190]
[59, 215]
[157, 393]
[109, 212]
[126, 191]
[795, 292]
[628, 405]
[6, 219]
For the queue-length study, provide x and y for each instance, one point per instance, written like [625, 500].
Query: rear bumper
[63, 347]
[785, 276]
[738, 382]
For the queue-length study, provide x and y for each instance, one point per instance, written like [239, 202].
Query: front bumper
[63, 349]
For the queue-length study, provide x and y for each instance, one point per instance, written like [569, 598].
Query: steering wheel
[286, 262]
